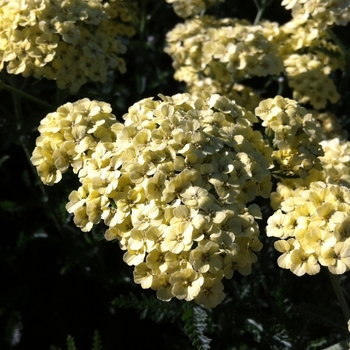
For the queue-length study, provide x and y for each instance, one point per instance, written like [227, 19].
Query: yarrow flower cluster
[173, 183]
[227, 50]
[336, 161]
[314, 229]
[309, 57]
[330, 125]
[335, 169]
[123, 18]
[188, 8]
[58, 40]
[312, 215]
[69, 135]
[294, 135]
[310, 85]
[324, 12]
[242, 95]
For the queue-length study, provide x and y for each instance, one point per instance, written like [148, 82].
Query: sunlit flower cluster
[242, 95]
[309, 58]
[324, 12]
[58, 40]
[226, 50]
[307, 38]
[123, 18]
[173, 183]
[314, 229]
[308, 77]
[336, 161]
[331, 125]
[294, 135]
[335, 169]
[188, 8]
[69, 135]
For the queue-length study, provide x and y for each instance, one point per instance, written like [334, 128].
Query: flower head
[59, 40]
[172, 183]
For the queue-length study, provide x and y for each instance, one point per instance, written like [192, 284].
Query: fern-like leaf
[96, 341]
[149, 307]
[195, 318]
[71, 343]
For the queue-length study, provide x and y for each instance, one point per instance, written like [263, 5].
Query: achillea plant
[335, 169]
[324, 12]
[188, 8]
[58, 40]
[294, 135]
[173, 184]
[314, 227]
[309, 57]
[226, 50]
[123, 18]
[313, 215]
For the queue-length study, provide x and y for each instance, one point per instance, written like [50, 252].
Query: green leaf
[71, 343]
[148, 307]
[3, 159]
[195, 318]
[96, 341]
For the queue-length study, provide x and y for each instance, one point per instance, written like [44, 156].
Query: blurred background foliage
[62, 288]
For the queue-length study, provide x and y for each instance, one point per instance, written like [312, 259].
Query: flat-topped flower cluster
[294, 135]
[58, 40]
[173, 184]
[312, 215]
[188, 8]
[314, 227]
[324, 12]
[216, 54]
[208, 52]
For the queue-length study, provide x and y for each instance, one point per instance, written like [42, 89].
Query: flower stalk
[340, 295]
[20, 93]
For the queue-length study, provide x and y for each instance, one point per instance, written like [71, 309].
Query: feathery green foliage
[195, 318]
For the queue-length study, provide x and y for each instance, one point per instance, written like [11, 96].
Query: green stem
[45, 197]
[340, 295]
[59, 97]
[16, 101]
[155, 9]
[345, 52]
[143, 18]
[261, 9]
[260, 12]
[20, 93]
[338, 42]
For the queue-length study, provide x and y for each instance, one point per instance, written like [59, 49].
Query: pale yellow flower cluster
[58, 40]
[173, 183]
[68, 136]
[325, 12]
[314, 87]
[242, 95]
[336, 161]
[314, 229]
[226, 50]
[309, 58]
[331, 125]
[123, 18]
[188, 8]
[293, 38]
[335, 169]
[294, 135]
